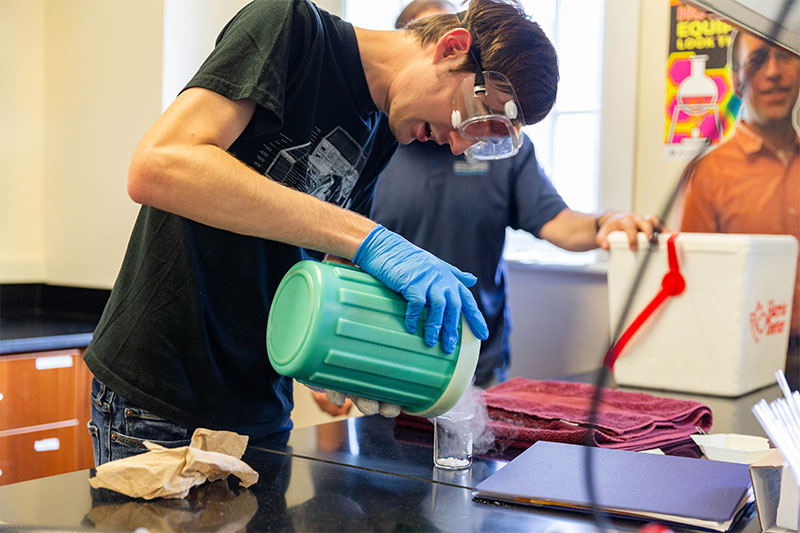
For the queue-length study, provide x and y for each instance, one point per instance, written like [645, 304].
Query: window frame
[617, 137]
[619, 105]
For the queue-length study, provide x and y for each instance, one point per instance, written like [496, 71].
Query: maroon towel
[523, 411]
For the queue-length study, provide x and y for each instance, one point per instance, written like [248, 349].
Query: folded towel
[523, 411]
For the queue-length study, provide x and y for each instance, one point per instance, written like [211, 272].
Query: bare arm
[577, 232]
[181, 166]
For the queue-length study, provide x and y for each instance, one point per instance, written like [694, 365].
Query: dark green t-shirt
[183, 334]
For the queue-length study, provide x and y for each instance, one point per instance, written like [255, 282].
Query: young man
[751, 182]
[274, 147]
[463, 215]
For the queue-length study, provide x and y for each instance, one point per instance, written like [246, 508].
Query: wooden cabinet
[44, 408]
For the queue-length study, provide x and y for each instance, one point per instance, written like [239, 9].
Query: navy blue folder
[681, 490]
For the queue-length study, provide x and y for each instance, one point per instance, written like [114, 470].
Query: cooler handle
[672, 284]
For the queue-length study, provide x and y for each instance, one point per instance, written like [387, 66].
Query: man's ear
[452, 45]
[737, 83]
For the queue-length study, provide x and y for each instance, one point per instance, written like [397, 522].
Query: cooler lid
[715, 242]
[775, 20]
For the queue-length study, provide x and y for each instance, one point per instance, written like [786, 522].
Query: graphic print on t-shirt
[327, 169]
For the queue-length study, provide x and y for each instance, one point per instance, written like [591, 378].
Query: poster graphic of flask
[701, 106]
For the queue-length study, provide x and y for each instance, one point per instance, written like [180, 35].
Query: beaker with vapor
[452, 440]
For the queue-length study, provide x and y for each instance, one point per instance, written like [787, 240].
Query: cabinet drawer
[39, 453]
[40, 388]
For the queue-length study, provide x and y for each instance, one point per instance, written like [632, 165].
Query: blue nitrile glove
[422, 279]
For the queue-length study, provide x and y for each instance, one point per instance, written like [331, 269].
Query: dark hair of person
[509, 43]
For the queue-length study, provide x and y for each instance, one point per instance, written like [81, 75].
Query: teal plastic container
[336, 327]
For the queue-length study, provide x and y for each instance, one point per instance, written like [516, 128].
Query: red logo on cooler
[769, 320]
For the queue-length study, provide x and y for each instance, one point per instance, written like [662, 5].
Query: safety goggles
[486, 110]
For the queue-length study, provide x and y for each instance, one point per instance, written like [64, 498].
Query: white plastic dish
[732, 447]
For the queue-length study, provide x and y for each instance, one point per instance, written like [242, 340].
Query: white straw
[793, 399]
[774, 432]
[790, 419]
[781, 421]
[782, 383]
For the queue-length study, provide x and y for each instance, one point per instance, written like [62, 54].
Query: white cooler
[727, 333]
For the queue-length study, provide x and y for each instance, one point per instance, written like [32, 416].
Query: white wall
[82, 83]
[190, 21]
[620, 71]
[22, 119]
[79, 94]
[103, 73]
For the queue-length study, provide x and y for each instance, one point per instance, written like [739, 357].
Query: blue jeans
[119, 428]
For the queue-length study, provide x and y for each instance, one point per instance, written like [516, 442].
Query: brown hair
[509, 43]
[417, 7]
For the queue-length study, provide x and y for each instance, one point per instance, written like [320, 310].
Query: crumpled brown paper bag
[171, 472]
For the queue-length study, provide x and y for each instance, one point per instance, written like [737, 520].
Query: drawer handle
[47, 445]
[53, 361]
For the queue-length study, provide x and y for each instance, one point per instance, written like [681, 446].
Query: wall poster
[700, 101]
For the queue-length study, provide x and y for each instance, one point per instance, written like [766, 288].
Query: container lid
[469, 350]
[714, 242]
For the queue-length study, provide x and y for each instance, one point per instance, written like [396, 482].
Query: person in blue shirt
[459, 210]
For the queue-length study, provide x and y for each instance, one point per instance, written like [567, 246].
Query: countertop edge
[39, 344]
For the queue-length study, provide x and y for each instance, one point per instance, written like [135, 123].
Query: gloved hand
[327, 406]
[365, 405]
[422, 278]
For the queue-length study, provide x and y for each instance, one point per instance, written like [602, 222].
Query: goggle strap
[480, 83]
[474, 51]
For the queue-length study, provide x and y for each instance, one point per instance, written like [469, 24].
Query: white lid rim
[462, 375]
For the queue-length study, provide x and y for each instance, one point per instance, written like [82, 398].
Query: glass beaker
[452, 440]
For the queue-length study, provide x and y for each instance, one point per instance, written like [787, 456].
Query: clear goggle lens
[489, 114]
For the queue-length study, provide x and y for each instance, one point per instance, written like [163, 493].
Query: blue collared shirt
[459, 211]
